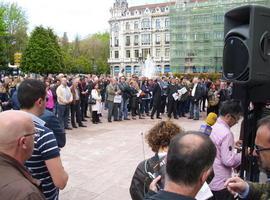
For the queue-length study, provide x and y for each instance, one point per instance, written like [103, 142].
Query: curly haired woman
[158, 138]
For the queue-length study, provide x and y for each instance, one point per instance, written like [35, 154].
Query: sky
[76, 17]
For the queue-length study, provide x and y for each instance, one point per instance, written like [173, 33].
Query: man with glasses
[226, 159]
[256, 191]
[45, 163]
[16, 146]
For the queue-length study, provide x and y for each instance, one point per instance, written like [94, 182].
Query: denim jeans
[194, 110]
[112, 111]
[124, 109]
[63, 115]
[145, 106]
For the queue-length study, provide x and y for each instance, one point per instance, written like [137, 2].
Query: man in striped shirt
[45, 163]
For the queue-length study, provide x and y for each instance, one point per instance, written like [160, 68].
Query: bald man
[16, 146]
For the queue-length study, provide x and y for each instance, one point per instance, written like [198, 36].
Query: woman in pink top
[49, 97]
[226, 159]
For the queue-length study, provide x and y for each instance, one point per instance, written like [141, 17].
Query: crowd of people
[74, 99]
[183, 162]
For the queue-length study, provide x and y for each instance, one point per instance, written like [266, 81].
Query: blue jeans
[145, 106]
[124, 109]
[63, 115]
[194, 110]
[112, 111]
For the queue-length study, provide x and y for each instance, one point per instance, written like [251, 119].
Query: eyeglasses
[259, 149]
[36, 134]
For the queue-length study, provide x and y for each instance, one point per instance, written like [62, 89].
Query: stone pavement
[102, 158]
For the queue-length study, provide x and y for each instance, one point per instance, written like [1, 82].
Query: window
[116, 54]
[167, 69]
[116, 27]
[145, 53]
[127, 40]
[136, 25]
[167, 23]
[116, 41]
[158, 26]
[145, 24]
[167, 38]
[167, 52]
[157, 39]
[127, 53]
[136, 53]
[136, 40]
[128, 70]
[157, 53]
[127, 25]
[146, 39]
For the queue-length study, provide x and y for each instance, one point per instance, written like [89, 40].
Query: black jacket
[198, 93]
[164, 195]
[171, 90]
[52, 122]
[157, 94]
[141, 180]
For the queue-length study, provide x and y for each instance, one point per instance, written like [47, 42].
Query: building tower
[119, 8]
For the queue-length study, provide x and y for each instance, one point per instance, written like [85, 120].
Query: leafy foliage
[43, 54]
[87, 56]
[15, 28]
[3, 52]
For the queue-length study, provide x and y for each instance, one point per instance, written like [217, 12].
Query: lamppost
[216, 62]
[94, 65]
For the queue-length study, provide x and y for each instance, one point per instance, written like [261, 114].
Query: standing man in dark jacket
[125, 92]
[164, 88]
[196, 94]
[52, 122]
[172, 103]
[156, 100]
[83, 98]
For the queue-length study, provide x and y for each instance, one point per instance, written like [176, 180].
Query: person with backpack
[158, 138]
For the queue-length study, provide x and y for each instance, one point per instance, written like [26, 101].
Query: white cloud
[82, 17]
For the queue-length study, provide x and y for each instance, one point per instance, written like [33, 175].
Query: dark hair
[29, 92]
[232, 107]
[161, 134]
[187, 159]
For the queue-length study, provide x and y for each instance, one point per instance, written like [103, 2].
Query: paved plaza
[101, 159]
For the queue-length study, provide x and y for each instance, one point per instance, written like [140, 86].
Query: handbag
[91, 100]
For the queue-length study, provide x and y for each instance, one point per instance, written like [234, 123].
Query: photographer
[158, 138]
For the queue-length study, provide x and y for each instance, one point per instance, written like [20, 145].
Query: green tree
[3, 35]
[96, 48]
[42, 54]
[16, 27]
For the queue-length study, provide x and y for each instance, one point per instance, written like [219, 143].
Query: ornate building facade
[137, 32]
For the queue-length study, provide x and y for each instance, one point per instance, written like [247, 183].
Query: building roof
[151, 6]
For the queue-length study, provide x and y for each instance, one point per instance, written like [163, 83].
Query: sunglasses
[259, 149]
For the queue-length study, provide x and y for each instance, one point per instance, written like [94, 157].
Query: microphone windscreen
[211, 119]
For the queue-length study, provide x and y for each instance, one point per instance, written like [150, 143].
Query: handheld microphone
[209, 121]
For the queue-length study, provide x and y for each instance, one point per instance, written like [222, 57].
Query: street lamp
[94, 65]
